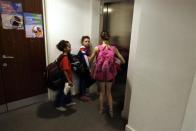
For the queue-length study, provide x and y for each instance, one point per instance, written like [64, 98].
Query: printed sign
[33, 25]
[10, 7]
[12, 21]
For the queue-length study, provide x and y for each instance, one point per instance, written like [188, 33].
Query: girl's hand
[70, 83]
[91, 58]
[120, 56]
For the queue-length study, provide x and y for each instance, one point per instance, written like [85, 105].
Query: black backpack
[77, 65]
[55, 77]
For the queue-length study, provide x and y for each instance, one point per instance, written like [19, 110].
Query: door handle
[7, 57]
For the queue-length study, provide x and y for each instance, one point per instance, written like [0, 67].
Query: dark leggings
[85, 82]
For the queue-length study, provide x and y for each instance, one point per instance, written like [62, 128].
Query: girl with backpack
[104, 70]
[85, 78]
[63, 100]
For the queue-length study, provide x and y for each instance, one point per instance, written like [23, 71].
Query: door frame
[45, 31]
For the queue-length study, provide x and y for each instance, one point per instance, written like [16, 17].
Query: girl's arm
[69, 81]
[91, 58]
[120, 56]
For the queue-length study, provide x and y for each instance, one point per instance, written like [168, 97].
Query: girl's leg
[109, 96]
[57, 99]
[67, 98]
[82, 86]
[101, 96]
[60, 100]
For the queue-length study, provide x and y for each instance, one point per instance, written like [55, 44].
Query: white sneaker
[61, 108]
[71, 104]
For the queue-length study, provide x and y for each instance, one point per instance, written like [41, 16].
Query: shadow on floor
[48, 111]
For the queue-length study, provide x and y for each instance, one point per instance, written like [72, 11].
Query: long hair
[105, 35]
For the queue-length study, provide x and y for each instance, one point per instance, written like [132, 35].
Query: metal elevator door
[116, 18]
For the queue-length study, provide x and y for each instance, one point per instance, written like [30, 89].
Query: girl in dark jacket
[85, 79]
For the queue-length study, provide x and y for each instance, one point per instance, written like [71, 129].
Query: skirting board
[27, 101]
[124, 114]
[128, 128]
[3, 108]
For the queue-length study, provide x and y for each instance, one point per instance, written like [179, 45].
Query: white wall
[95, 22]
[190, 116]
[69, 20]
[132, 53]
[163, 64]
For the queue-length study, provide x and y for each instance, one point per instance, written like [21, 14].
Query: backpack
[78, 66]
[104, 67]
[105, 58]
[55, 77]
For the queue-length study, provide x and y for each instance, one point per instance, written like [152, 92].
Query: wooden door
[23, 70]
[2, 92]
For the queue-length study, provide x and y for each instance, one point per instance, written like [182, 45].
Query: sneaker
[70, 104]
[61, 108]
[85, 98]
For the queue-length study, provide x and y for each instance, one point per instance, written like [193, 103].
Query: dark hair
[105, 35]
[84, 37]
[62, 45]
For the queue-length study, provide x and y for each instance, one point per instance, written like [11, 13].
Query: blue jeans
[62, 99]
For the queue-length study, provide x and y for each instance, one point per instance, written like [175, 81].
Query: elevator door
[117, 20]
[22, 60]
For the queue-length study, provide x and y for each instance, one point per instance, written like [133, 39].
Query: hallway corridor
[42, 116]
